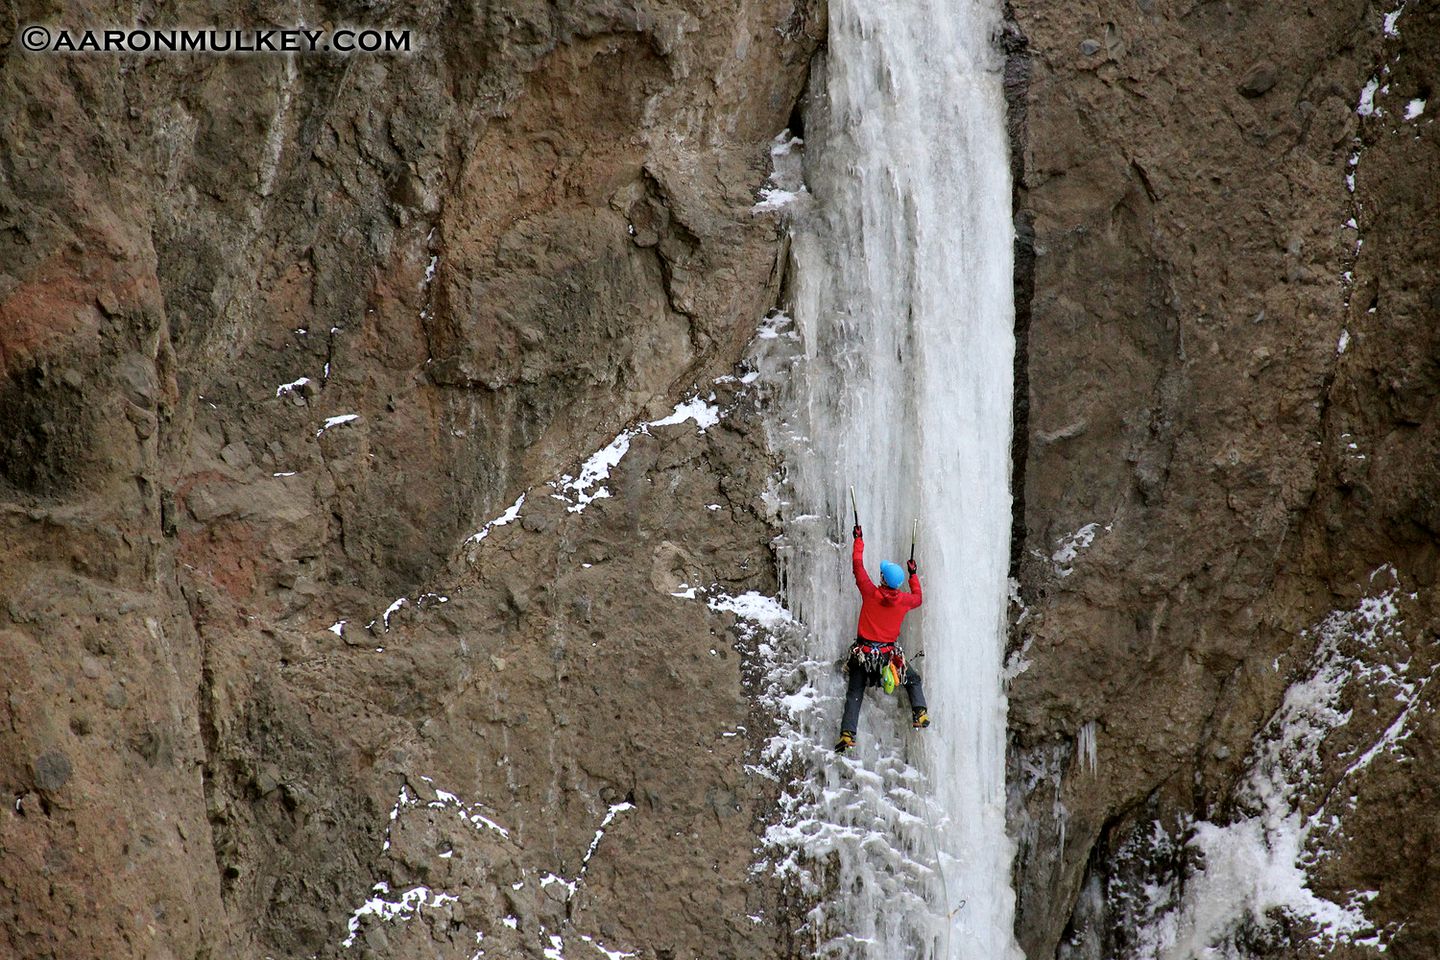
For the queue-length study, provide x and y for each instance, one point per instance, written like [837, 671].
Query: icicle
[1085, 747]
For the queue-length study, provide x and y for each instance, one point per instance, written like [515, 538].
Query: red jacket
[881, 608]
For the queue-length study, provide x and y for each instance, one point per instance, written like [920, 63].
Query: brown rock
[432, 242]
[52, 770]
[1259, 79]
[1183, 298]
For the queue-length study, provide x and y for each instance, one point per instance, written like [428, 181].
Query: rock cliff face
[281, 339]
[1228, 475]
[277, 337]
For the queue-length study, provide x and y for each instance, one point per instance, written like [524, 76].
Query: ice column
[902, 303]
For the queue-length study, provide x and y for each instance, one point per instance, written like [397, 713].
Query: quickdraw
[885, 662]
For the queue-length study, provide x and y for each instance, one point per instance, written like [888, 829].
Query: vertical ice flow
[902, 302]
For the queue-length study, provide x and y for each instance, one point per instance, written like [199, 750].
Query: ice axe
[840, 664]
[914, 535]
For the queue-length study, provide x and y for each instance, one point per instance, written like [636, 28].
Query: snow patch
[612, 954]
[704, 413]
[1367, 106]
[774, 327]
[1391, 19]
[766, 612]
[1017, 663]
[1414, 108]
[470, 813]
[409, 905]
[784, 144]
[338, 421]
[423, 600]
[1068, 547]
[610, 815]
[1249, 870]
[291, 387]
[773, 199]
[785, 185]
[570, 885]
[573, 886]
[511, 514]
[595, 470]
[583, 490]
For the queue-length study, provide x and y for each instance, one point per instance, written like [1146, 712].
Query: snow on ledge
[786, 185]
[773, 199]
[291, 387]
[338, 421]
[703, 412]
[595, 470]
[410, 904]
[773, 327]
[468, 812]
[612, 954]
[767, 612]
[509, 516]
[422, 600]
[583, 490]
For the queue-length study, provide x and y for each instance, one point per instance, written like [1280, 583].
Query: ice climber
[877, 636]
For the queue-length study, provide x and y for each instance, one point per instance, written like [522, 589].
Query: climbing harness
[874, 657]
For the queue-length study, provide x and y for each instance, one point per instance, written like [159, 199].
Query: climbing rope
[944, 885]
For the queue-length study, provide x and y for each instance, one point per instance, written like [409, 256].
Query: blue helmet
[892, 574]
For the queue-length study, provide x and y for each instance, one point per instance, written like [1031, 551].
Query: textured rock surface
[1225, 439]
[277, 337]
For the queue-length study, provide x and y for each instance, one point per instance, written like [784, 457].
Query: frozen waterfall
[900, 382]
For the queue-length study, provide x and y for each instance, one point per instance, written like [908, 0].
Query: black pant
[855, 693]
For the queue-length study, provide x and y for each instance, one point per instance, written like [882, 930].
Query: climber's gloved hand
[910, 565]
[857, 532]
